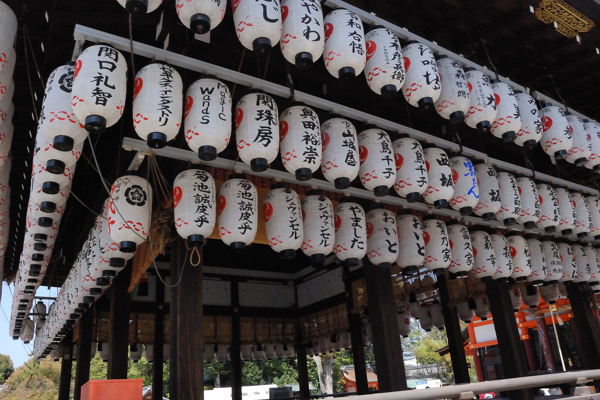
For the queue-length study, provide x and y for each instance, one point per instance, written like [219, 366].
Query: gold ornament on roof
[568, 20]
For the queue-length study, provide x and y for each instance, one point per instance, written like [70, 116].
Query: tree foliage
[6, 367]
[33, 380]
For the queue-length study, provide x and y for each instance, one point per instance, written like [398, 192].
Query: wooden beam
[585, 326]
[118, 338]
[303, 379]
[66, 365]
[82, 368]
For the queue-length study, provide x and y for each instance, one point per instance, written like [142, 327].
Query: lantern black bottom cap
[457, 117]
[503, 280]
[261, 46]
[95, 124]
[109, 274]
[550, 229]
[40, 237]
[385, 265]
[550, 283]
[116, 262]
[47, 207]
[566, 232]
[156, 140]
[35, 269]
[389, 92]
[342, 183]
[346, 74]
[530, 144]
[50, 187]
[137, 8]
[45, 222]
[381, 191]
[195, 240]
[438, 271]
[425, 104]
[304, 60]
[580, 162]
[74, 316]
[259, 164]
[238, 246]
[102, 282]
[63, 143]
[582, 235]
[597, 237]
[413, 197]
[93, 292]
[410, 270]
[484, 127]
[440, 204]
[287, 254]
[529, 225]
[510, 221]
[559, 155]
[207, 153]
[352, 262]
[56, 167]
[465, 211]
[83, 306]
[127, 246]
[303, 174]
[537, 283]
[488, 216]
[461, 274]
[200, 23]
[508, 137]
[521, 279]
[318, 259]
[581, 283]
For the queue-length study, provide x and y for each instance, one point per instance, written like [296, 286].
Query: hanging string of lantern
[511, 200]
[411, 243]
[466, 189]
[461, 250]
[556, 137]
[530, 202]
[237, 211]
[437, 245]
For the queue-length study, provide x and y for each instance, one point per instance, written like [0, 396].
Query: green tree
[422, 346]
[34, 380]
[6, 367]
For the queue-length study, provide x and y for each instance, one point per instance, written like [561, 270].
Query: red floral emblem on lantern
[427, 165]
[268, 210]
[451, 244]
[283, 130]
[546, 123]
[426, 237]
[474, 251]
[338, 223]
[497, 99]
[177, 194]
[239, 116]
[454, 176]
[406, 64]
[325, 139]
[370, 229]
[328, 31]
[399, 161]
[540, 199]
[284, 12]
[189, 102]
[235, 4]
[137, 87]
[513, 252]
[470, 87]
[363, 154]
[371, 49]
[77, 68]
[221, 202]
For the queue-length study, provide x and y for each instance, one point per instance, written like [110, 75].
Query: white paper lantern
[8, 30]
[7, 110]
[208, 117]
[345, 52]
[584, 269]
[462, 259]
[539, 268]
[594, 262]
[130, 212]
[556, 137]
[581, 150]
[441, 185]
[549, 293]
[319, 230]
[422, 86]
[521, 257]
[511, 201]
[45, 214]
[567, 262]
[465, 313]
[237, 210]
[425, 318]
[300, 136]
[483, 103]
[568, 218]
[201, 16]
[593, 130]
[413, 308]
[553, 262]
[283, 221]
[549, 210]
[350, 232]
[28, 330]
[531, 125]
[157, 104]
[103, 351]
[303, 34]
[530, 296]
[139, 8]
[508, 117]
[52, 183]
[437, 317]
[382, 237]
[454, 100]
[340, 152]
[411, 245]
[482, 310]
[40, 310]
[257, 129]
[583, 220]
[437, 246]
[404, 324]
[7, 91]
[135, 352]
[384, 69]
[531, 209]
[485, 266]
[194, 205]
[377, 167]
[6, 137]
[257, 24]
[593, 205]
[54, 159]
[40, 233]
[466, 188]
[411, 173]
[489, 191]
[516, 299]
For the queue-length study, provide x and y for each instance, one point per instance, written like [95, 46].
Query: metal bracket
[134, 165]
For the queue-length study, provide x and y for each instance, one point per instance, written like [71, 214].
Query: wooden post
[82, 368]
[514, 363]
[384, 326]
[303, 380]
[64, 387]
[236, 360]
[454, 334]
[478, 366]
[159, 339]
[118, 337]
[531, 357]
[358, 347]
[545, 344]
[585, 327]
[173, 319]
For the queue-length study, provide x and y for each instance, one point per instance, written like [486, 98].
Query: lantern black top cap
[237, 175]
[402, 135]
[429, 217]
[375, 205]
[518, 91]
[278, 185]
[567, 112]
[467, 69]
[440, 56]
[347, 199]
[411, 42]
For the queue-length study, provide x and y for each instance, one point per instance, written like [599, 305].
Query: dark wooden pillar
[82, 367]
[545, 344]
[236, 360]
[531, 357]
[514, 363]
[585, 327]
[159, 340]
[358, 347]
[303, 379]
[64, 387]
[118, 336]
[478, 366]
[188, 307]
[173, 319]
[384, 326]
[454, 334]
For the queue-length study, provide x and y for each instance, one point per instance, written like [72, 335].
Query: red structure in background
[350, 378]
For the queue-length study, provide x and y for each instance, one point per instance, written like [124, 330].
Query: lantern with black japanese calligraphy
[482, 111]
[521, 258]
[130, 209]
[593, 130]
[55, 160]
[208, 117]
[466, 188]
[300, 136]
[485, 266]
[516, 299]
[454, 100]
[201, 16]
[98, 96]
[411, 245]
[283, 220]
[553, 263]
[489, 191]
[482, 309]
[437, 245]
[530, 296]
[319, 230]
[567, 262]
[157, 104]
[384, 69]
[556, 137]
[340, 152]
[382, 238]
[437, 317]
[583, 220]
[350, 232]
[425, 318]
[511, 200]
[584, 269]
[237, 211]
[531, 208]
[194, 205]
[257, 24]
[508, 118]
[139, 8]
[531, 125]
[422, 86]
[257, 129]
[462, 259]
[411, 173]
[345, 53]
[303, 35]
[549, 210]
[465, 312]
[441, 184]
[403, 323]
[593, 205]
[377, 166]
[539, 269]
[581, 150]
[593, 260]
[568, 218]
[549, 293]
